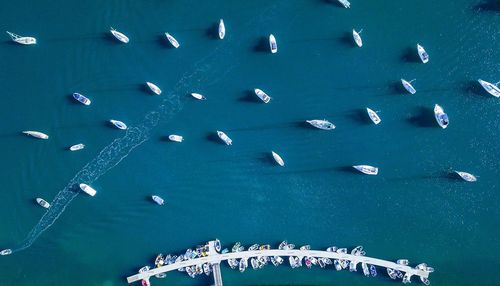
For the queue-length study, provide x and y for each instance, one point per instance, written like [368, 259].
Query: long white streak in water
[120, 148]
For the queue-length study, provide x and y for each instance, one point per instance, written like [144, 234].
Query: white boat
[466, 176]
[357, 37]
[321, 124]
[262, 95]
[158, 200]
[88, 189]
[154, 88]
[373, 116]
[441, 117]
[490, 88]
[243, 264]
[366, 169]
[272, 44]
[422, 54]
[43, 203]
[22, 40]
[224, 137]
[408, 86]
[198, 96]
[254, 262]
[366, 271]
[81, 98]
[404, 262]
[119, 124]
[6, 251]
[172, 40]
[36, 134]
[120, 36]
[278, 159]
[175, 138]
[222, 29]
[77, 147]
[345, 3]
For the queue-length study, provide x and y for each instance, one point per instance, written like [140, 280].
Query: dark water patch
[213, 137]
[359, 115]
[71, 100]
[410, 55]
[347, 40]
[262, 45]
[249, 96]
[212, 32]
[347, 169]
[475, 88]
[488, 6]
[397, 87]
[422, 117]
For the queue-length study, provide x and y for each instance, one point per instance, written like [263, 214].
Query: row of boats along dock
[206, 259]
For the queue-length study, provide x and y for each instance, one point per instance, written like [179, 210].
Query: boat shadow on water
[212, 31]
[422, 117]
[262, 45]
[249, 96]
[359, 115]
[397, 88]
[346, 39]
[410, 55]
[347, 169]
[473, 87]
[212, 136]
[488, 5]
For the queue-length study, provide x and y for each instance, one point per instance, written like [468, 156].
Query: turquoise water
[414, 209]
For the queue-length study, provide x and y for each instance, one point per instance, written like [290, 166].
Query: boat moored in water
[22, 39]
[172, 40]
[272, 44]
[118, 124]
[43, 203]
[120, 36]
[243, 264]
[81, 98]
[224, 138]
[366, 169]
[490, 87]
[175, 138]
[154, 88]
[7, 251]
[278, 159]
[373, 116]
[262, 95]
[321, 124]
[357, 37]
[36, 134]
[222, 29]
[441, 117]
[77, 147]
[158, 200]
[466, 176]
[422, 54]
[408, 86]
[198, 96]
[345, 3]
[88, 189]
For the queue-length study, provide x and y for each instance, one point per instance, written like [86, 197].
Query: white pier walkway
[216, 258]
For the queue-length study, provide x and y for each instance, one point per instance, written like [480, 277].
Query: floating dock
[214, 259]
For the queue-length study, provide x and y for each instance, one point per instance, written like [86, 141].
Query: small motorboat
[43, 203]
[262, 95]
[120, 36]
[366, 271]
[207, 269]
[36, 134]
[331, 249]
[345, 3]
[88, 189]
[337, 265]
[466, 176]
[422, 54]
[254, 262]
[222, 29]
[224, 138]
[6, 251]
[272, 44]
[357, 37]
[198, 96]
[408, 86]
[406, 278]
[158, 200]
[175, 138]
[21, 39]
[282, 245]
[118, 124]
[81, 98]
[172, 40]
[161, 275]
[441, 117]
[77, 147]
[278, 159]
[490, 87]
[373, 116]
[425, 280]
[217, 245]
[321, 124]
[366, 169]
[404, 262]
[392, 273]
[243, 264]
[159, 261]
[373, 270]
[154, 88]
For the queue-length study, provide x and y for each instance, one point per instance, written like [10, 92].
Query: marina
[208, 255]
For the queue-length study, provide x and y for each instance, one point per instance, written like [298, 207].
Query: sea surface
[416, 208]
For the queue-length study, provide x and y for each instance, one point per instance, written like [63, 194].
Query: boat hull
[272, 44]
[88, 189]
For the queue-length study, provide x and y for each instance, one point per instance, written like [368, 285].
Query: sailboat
[154, 88]
[21, 39]
[222, 29]
[408, 86]
[120, 36]
[373, 116]
[262, 95]
[278, 159]
[172, 40]
[77, 147]
[466, 176]
[118, 124]
[366, 169]
[357, 37]
[490, 87]
[198, 96]
[36, 134]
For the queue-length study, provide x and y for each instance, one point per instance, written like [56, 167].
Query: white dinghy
[175, 138]
[43, 203]
[77, 147]
[158, 200]
[198, 96]
[118, 124]
[272, 44]
[222, 29]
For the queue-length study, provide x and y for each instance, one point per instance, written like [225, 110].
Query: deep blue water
[415, 208]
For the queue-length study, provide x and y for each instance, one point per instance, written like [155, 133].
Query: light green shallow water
[413, 209]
